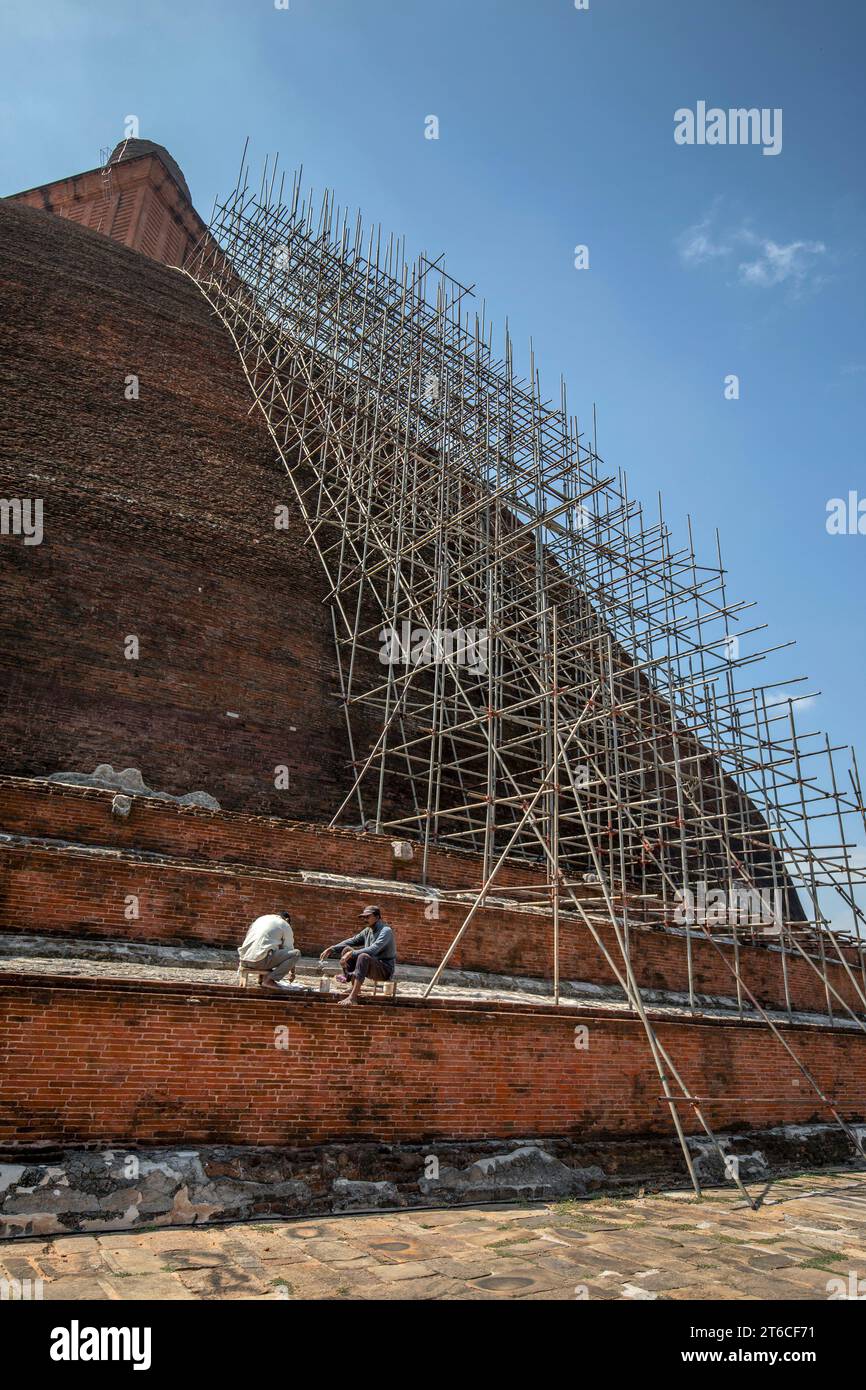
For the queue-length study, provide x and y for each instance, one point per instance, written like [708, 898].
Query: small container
[324, 984]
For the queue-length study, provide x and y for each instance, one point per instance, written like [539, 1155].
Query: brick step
[105, 1062]
[75, 889]
[82, 815]
[109, 959]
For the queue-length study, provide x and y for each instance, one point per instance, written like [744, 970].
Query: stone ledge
[22, 980]
[213, 965]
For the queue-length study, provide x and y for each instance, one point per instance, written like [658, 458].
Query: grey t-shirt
[376, 941]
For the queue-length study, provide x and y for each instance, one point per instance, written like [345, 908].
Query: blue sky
[556, 129]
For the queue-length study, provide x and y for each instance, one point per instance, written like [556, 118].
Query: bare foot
[348, 1000]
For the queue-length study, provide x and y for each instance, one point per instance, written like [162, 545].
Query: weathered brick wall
[75, 894]
[96, 1063]
[83, 816]
[193, 896]
[159, 523]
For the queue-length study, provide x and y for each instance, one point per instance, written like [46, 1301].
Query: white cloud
[775, 264]
[697, 245]
[781, 697]
[767, 263]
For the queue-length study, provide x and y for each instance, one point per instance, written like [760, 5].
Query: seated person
[371, 952]
[269, 948]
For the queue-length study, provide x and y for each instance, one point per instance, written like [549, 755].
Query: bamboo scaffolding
[528, 666]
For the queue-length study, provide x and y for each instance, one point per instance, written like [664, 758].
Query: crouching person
[370, 954]
[269, 950]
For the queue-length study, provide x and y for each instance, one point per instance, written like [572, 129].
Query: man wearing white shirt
[269, 948]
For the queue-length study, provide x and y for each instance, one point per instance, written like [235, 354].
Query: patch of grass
[343, 1292]
[607, 1200]
[510, 1240]
[721, 1239]
[575, 1214]
[595, 1199]
[824, 1260]
[612, 1228]
[284, 1284]
[579, 1218]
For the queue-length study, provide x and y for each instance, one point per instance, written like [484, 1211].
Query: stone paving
[411, 981]
[808, 1231]
[81, 960]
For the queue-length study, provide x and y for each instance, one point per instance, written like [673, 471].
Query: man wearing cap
[371, 952]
